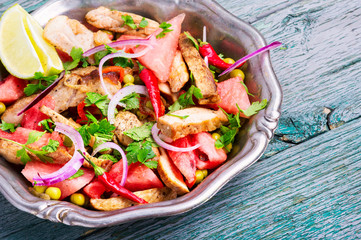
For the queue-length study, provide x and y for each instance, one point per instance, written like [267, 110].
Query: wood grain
[308, 183]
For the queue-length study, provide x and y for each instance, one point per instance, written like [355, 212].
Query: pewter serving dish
[229, 35]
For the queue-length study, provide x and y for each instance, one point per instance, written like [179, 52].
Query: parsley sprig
[7, 126]
[79, 173]
[165, 26]
[128, 20]
[43, 83]
[118, 61]
[186, 99]
[144, 23]
[101, 101]
[34, 136]
[77, 56]
[141, 149]
[131, 101]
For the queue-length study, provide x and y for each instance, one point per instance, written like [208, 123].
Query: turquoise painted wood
[307, 184]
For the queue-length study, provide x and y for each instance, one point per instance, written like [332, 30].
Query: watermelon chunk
[33, 116]
[67, 187]
[11, 89]
[185, 161]
[210, 157]
[160, 58]
[139, 178]
[21, 135]
[232, 92]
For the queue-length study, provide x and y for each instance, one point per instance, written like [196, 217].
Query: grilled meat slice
[10, 115]
[104, 18]
[178, 74]
[202, 75]
[198, 120]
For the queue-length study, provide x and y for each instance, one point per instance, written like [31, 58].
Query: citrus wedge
[22, 48]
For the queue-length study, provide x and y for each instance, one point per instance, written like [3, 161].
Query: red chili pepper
[151, 82]
[117, 69]
[81, 112]
[206, 50]
[110, 183]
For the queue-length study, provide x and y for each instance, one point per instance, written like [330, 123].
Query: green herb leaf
[226, 138]
[245, 87]
[165, 26]
[128, 20]
[45, 124]
[109, 157]
[7, 126]
[139, 152]
[186, 99]
[181, 117]
[23, 155]
[254, 108]
[34, 136]
[151, 164]
[43, 83]
[83, 130]
[131, 101]
[123, 62]
[52, 146]
[193, 40]
[77, 56]
[140, 133]
[79, 173]
[102, 102]
[99, 55]
[143, 23]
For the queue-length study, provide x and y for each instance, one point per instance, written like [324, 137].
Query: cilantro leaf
[52, 146]
[23, 155]
[45, 124]
[7, 126]
[77, 56]
[101, 130]
[181, 117]
[79, 173]
[123, 62]
[101, 101]
[143, 23]
[109, 157]
[193, 40]
[186, 99]
[140, 133]
[139, 152]
[131, 101]
[165, 26]
[128, 20]
[83, 130]
[34, 136]
[43, 83]
[99, 55]
[246, 88]
[151, 164]
[254, 108]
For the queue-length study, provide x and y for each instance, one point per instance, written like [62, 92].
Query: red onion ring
[71, 167]
[124, 157]
[160, 142]
[204, 34]
[245, 58]
[146, 42]
[42, 94]
[206, 60]
[114, 55]
[120, 95]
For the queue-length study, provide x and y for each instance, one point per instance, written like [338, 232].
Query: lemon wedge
[23, 51]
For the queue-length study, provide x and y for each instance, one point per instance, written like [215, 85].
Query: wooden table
[308, 183]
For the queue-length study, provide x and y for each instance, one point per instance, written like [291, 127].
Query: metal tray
[229, 35]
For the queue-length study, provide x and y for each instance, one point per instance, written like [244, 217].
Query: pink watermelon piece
[139, 178]
[210, 156]
[11, 89]
[33, 116]
[160, 58]
[232, 92]
[185, 161]
[67, 187]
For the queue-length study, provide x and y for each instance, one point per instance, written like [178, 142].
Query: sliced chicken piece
[10, 115]
[152, 195]
[101, 37]
[165, 89]
[202, 75]
[8, 151]
[170, 174]
[179, 75]
[56, 117]
[124, 121]
[198, 120]
[103, 163]
[72, 89]
[104, 18]
[65, 33]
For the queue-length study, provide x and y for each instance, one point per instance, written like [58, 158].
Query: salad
[136, 112]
